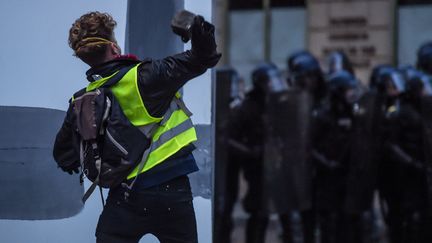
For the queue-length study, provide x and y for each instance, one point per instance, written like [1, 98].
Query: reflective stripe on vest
[174, 132]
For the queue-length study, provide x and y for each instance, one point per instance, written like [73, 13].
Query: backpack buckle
[127, 191]
[126, 196]
[81, 178]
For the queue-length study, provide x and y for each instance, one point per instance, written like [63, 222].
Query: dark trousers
[166, 211]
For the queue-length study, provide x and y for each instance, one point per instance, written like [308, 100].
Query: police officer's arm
[161, 79]
[391, 144]
[235, 125]
[320, 126]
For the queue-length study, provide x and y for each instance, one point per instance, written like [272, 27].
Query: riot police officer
[406, 149]
[247, 146]
[332, 139]
[424, 58]
[386, 85]
[305, 74]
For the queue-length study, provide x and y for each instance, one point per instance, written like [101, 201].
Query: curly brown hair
[85, 34]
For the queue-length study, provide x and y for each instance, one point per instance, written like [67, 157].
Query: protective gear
[407, 150]
[256, 228]
[174, 132]
[229, 149]
[302, 63]
[344, 87]
[362, 168]
[305, 73]
[424, 58]
[266, 78]
[376, 73]
[246, 142]
[286, 171]
[335, 127]
[387, 81]
[418, 84]
[426, 113]
[246, 150]
[338, 61]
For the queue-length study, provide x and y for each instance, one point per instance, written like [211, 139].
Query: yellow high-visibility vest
[175, 129]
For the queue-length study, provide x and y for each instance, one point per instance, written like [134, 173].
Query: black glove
[203, 37]
[71, 168]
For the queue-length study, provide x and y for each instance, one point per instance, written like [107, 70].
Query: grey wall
[246, 37]
[31, 185]
[414, 30]
[38, 69]
[147, 30]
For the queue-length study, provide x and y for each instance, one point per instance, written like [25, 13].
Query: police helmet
[340, 82]
[266, 77]
[424, 58]
[387, 80]
[338, 61]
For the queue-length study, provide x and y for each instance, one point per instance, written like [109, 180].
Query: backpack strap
[77, 94]
[98, 160]
[98, 164]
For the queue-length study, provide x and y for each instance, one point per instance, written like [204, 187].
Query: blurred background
[318, 107]
[369, 32]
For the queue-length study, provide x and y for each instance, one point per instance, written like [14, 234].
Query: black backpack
[110, 145]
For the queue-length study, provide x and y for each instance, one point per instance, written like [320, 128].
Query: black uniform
[246, 140]
[333, 126]
[386, 85]
[408, 200]
[305, 74]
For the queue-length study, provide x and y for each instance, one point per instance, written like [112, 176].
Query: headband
[96, 41]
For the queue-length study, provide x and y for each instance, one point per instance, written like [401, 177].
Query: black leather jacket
[158, 82]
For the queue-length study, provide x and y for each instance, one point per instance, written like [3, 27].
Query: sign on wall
[363, 29]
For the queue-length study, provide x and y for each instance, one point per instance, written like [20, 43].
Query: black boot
[309, 226]
[291, 228]
[330, 227]
[256, 228]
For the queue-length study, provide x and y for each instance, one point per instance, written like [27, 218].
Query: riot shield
[223, 180]
[286, 172]
[363, 164]
[426, 112]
